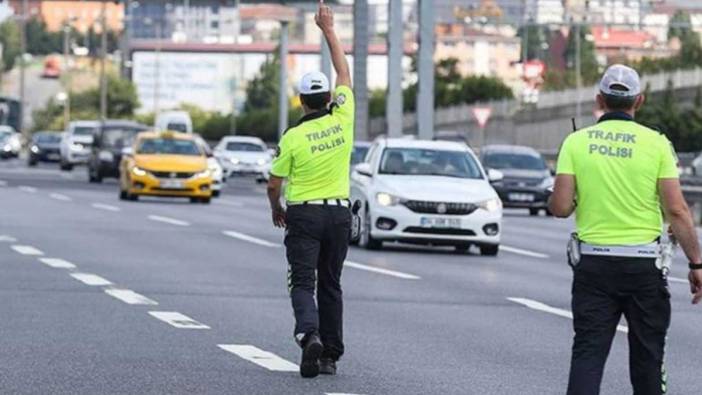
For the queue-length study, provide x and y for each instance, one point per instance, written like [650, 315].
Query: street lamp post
[22, 83]
[283, 85]
[103, 55]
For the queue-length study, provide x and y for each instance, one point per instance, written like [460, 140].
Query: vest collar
[313, 115]
[615, 116]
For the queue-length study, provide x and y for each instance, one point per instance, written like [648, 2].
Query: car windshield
[118, 137]
[48, 138]
[83, 131]
[169, 147]
[500, 160]
[177, 127]
[429, 162]
[241, 146]
[358, 155]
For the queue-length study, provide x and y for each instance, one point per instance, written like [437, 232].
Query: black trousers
[317, 240]
[604, 288]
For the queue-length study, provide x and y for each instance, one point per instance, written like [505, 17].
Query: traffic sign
[482, 114]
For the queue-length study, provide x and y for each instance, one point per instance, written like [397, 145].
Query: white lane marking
[260, 357]
[340, 393]
[57, 263]
[168, 220]
[534, 305]
[105, 207]
[250, 239]
[91, 279]
[678, 280]
[3, 183]
[129, 297]
[520, 251]
[27, 250]
[379, 270]
[67, 176]
[25, 188]
[178, 320]
[60, 197]
[230, 203]
[7, 239]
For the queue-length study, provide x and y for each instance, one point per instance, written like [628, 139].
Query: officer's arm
[678, 215]
[275, 187]
[562, 200]
[325, 21]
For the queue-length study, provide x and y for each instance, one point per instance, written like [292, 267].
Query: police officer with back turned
[616, 176]
[314, 157]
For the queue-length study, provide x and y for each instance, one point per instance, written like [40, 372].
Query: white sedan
[427, 192]
[244, 155]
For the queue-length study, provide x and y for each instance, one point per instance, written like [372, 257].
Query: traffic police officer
[616, 175]
[314, 157]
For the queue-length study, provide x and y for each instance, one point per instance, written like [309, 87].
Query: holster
[355, 222]
[573, 250]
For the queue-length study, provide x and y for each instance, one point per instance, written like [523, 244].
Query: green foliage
[264, 123]
[10, 40]
[537, 39]
[262, 91]
[680, 25]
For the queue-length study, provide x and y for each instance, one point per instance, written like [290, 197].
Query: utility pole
[578, 73]
[283, 85]
[360, 67]
[325, 57]
[393, 104]
[103, 56]
[157, 69]
[425, 60]
[22, 83]
[67, 101]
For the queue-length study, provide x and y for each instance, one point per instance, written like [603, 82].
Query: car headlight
[234, 161]
[204, 173]
[137, 171]
[106, 156]
[491, 205]
[386, 199]
[35, 149]
[76, 147]
[546, 183]
[7, 148]
[261, 162]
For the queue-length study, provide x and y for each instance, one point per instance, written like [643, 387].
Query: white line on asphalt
[260, 357]
[534, 305]
[57, 263]
[230, 203]
[27, 250]
[678, 280]
[168, 220]
[178, 320]
[250, 239]
[129, 297]
[3, 183]
[7, 239]
[60, 197]
[520, 251]
[379, 270]
[25, 188]
[91, 279]
[105, 207]
[67, 176]
[340, 393]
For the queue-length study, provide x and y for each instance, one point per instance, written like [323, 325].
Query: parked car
[244, 155]
[75, 146]
[106, 152]
[527, 178]
[360, 149]
[167, 164]
[52, 67]
[44, 148]
[216, 169]
[10, 142]
[177, 121]
[427, 192]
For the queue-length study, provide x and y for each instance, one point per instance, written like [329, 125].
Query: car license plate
[171, 184]
[53, 156]
[521, 197]
[439, 222]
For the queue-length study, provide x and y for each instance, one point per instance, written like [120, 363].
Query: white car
[10, 142]
[177, 121]
[216, 170]
[244, 155]
[76, 143]
[427, 192]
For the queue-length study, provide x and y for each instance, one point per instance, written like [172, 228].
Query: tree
[537, 38]
[680, 26]
[588, 60]
[262, 91]
[10, 40]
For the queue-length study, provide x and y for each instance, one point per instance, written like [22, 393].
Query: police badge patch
[341, 99]
[277, 151]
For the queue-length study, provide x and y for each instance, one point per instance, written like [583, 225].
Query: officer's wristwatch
[695, 266]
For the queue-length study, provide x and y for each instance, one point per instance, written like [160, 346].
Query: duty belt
[323, 202]
[651, 250]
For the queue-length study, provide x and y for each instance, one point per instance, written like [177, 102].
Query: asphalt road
[158, 296]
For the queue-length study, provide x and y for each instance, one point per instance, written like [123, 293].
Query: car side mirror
[495, 175]
[127, 151]
[364, 169]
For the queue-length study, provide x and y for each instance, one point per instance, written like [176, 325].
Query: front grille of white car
[449, 208]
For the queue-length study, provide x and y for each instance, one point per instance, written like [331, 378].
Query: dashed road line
[57, 263]
[27, 250]
[260, 357]
[130, 297]
[678, 280]
[3, 183]
[519, 251]
[178, 320]
[250, 239]
[168, 220]
[91, 279]
[230, 203]
[106, 207]
[7, 239]
[26, 188]
[387, 272]
[340, 393]
[534, 305]
[60, 197]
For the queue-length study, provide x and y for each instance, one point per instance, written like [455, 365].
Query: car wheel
[548, 213]
[194, 200]
[31, 163]
[123, 195]
[462, 248]
[533, 212]
[66, 166]
[215, 193]
[367, 241]
[489, 249]
[205, 200]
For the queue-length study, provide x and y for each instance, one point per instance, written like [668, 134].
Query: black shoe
[327, 366]
[312, 349]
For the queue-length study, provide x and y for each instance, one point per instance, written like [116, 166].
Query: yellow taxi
[165, 164]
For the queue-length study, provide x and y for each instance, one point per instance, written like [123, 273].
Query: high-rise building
[545, 12]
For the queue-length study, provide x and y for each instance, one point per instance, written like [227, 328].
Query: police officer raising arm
[615, 176]
[314, 156]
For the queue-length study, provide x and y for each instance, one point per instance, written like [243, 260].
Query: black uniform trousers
[604, 288]
[317, 240]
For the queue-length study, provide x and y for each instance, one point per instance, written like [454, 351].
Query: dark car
[527, 178]
[111, 137]
[45, 147]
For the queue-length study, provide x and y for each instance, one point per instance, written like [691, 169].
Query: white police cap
[313, 82]
[620, 80]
